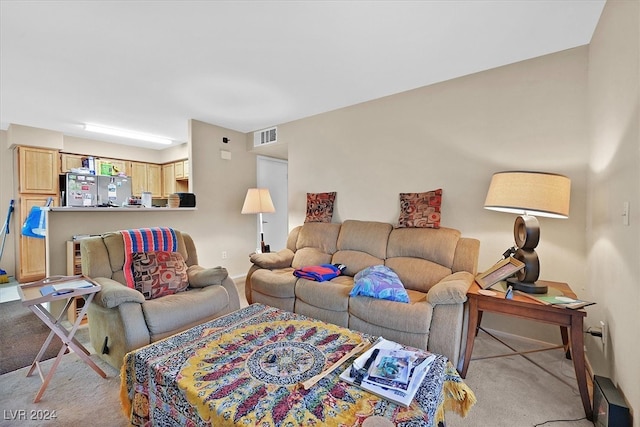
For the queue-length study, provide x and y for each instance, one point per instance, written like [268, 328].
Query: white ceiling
[150, 66]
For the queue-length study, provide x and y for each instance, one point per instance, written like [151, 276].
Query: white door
[273, 174]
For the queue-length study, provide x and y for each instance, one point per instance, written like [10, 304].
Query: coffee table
[245, 368]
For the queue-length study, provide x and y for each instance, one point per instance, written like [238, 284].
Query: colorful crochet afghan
[145, 240]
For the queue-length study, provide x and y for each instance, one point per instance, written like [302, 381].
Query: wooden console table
[570, 322]
[32, 297]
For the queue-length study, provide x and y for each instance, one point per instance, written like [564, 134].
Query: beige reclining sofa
[121, 320]
[436, 267]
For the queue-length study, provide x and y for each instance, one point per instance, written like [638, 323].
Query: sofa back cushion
[422, 256]
[361, 244]
[316, 243]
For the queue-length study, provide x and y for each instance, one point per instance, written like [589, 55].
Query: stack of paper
[395, 374]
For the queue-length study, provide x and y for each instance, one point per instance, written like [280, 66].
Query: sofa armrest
[451, 289]
[200, 277]
[280, 259]
[114, 293]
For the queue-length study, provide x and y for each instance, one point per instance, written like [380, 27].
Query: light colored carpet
[76, 395]
[510, 391]
[513, 392]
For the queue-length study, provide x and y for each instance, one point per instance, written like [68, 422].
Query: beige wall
[220, 186]
[614, 177]
[455, 135]
[30, 136]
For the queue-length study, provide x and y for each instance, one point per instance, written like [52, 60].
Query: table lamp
[528, 194]
[258, 201]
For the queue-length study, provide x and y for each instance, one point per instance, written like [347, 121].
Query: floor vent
[266, 136]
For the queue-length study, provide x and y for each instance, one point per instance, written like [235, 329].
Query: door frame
[269, 174]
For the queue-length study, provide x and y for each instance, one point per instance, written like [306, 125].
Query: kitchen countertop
[113, 209]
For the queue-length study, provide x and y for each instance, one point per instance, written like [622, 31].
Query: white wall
[455, 135]
[6, 194]
[614, 177]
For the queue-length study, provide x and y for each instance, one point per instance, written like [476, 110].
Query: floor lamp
[258, 201]
[529, 194]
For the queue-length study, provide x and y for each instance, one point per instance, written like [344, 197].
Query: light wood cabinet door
[32, 251]
[70, 161]
[38, 170]
[185, 167]
[120, 166]
[138, 178]
[179, 169]
[168, 179]
[154, 179]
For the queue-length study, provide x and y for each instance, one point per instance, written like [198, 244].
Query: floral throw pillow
[380, 282]
[159, 273]
[420, 210]
[320, 207]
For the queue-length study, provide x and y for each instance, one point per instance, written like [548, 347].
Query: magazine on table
[395, 372]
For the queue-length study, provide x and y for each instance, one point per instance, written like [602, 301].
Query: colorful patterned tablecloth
[246, 368]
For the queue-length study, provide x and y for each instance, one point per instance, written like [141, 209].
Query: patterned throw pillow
[320, 207]
[159, 273]
[379, 282]
[420, 210]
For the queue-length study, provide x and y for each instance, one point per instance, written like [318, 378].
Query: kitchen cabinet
[154, 179]
[138, 178]
[38, 171]
[179, 170]
[175, 178]
[182, 169]
[146, 177]
[73, 161]
[32, 252]
[120, 166]
[70, 161]
[168, 179]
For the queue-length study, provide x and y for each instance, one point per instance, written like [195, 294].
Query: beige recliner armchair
[121, 320]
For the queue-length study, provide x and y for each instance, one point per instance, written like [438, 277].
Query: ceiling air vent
[267, 136]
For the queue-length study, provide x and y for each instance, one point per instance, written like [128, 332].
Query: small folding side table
[35, 295]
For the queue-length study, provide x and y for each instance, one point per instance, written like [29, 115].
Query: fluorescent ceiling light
[127, 134]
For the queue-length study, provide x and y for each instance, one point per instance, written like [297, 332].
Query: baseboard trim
[518, 337]
[239, 279]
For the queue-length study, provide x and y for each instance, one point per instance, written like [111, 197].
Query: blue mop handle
[6, 224]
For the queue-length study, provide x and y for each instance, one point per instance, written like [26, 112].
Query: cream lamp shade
[258, 200]
[531, 193]
[528, 194]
